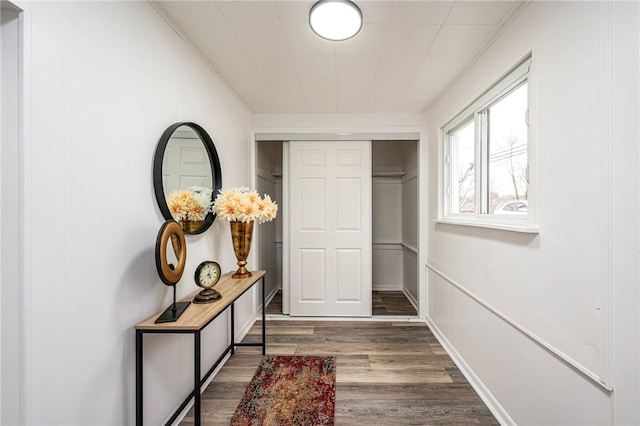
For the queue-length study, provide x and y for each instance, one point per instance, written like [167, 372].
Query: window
[486, 155]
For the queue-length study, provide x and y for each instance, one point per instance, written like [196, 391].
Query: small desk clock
[207, 276]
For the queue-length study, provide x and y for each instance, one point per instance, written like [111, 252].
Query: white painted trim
[26, 260]
[606, 291]
[268, 178]
[528, 333]
[414, 129]
[267, 300]
[336, 136]
[410, 297]
[388, 175]
[483, 392]
[524, 228]
[409, 177]
[286, 281]
[253, 258]
[386, 246]
[387, 287]
[244, 330]
[386, 180]
[376, 318]
[411, 249]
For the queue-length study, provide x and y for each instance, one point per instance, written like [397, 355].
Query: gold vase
[241, 233]
[191, 226]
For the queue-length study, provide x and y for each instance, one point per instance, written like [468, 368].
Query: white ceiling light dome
[335, 19]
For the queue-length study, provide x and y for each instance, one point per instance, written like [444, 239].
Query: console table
[194, 319]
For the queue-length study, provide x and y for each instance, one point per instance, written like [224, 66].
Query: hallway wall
[547, 324]
[104, 80]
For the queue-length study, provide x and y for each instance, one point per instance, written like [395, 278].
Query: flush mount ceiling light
[335, 19]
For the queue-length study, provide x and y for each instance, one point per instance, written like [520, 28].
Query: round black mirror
[187, 176]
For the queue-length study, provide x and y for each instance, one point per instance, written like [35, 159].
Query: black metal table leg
[196, 378]
[233, 332]
[264, 323]
[139, 399]
[198, 381]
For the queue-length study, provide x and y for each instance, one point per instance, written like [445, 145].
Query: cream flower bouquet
[191, 204]
[244, 205]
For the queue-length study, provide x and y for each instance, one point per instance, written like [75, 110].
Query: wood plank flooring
[383, 303]
[391, 303]
[388, 373]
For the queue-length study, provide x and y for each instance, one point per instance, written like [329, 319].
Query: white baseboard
[411, 299]
[244, 330]
[386, 287]
[268, 299]
[487, 397]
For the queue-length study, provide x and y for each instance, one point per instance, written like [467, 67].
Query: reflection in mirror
[187, 176]
[173, 252]
[186, 162]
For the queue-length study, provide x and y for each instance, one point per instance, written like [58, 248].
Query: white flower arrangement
[191, 204]
[244, 205]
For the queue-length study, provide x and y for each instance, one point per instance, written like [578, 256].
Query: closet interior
[394, 198]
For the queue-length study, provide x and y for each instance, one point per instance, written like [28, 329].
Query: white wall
[574, 286]
[386, 210]
[104, 80]
[12, 327]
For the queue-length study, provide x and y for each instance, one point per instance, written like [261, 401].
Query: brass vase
[241, 233]
[191, 226]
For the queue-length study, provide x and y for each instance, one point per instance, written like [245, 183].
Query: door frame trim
[401, 132]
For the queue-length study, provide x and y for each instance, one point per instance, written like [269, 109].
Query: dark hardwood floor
[383, 303]
[274, 307]
[388, 373]
[391, 303]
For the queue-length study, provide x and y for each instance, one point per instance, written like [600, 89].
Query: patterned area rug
[289, 390]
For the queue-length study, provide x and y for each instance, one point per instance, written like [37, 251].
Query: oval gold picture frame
[170, 233]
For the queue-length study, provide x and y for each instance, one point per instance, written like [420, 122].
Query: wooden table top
[198, 315]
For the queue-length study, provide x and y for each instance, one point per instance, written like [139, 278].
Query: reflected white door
[185, 163]
[330, 228]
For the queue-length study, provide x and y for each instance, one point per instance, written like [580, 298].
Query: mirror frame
[170, 274]
[214, 162]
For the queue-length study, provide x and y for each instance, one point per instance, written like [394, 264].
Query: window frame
[512, 80]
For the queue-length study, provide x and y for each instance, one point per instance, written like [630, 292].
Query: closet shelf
[388, 174]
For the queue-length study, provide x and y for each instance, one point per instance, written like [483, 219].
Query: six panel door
[330, 228]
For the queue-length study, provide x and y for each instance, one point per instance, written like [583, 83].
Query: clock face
[207, 274]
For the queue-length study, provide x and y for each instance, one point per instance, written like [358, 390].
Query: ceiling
[405, 56]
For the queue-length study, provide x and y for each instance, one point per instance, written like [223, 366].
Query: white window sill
[525, 228]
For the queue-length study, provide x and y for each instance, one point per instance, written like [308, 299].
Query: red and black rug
[289, 390]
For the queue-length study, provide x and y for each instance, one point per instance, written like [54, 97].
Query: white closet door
[330, 228]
